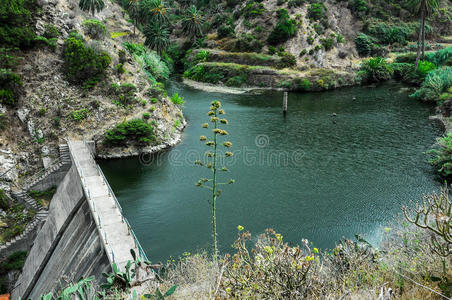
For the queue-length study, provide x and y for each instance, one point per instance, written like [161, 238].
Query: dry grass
[353, 270]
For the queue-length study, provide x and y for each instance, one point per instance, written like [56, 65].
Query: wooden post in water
[285, 103]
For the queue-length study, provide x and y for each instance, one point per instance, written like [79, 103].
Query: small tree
[91, 5]
[212, 161]
[435, 215]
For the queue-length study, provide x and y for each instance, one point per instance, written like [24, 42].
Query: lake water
[309, 175]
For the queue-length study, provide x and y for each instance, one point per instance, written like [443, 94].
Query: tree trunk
[423, 38]
[421, 26]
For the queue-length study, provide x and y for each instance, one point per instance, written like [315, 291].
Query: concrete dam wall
[67, 246]
[83, 235]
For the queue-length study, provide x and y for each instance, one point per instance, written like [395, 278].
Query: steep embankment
[51, 107]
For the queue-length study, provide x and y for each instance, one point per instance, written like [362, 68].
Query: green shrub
[43, 41]
[303, 52]
[253, 9]
[271, 50]
[154, 100]
[248, 43]
[82, 64]
[123, 93]
[51, 31]
[94, 29]
[295, 3]
[317, 11]
[119, 69]
[435, 83]
[340, 39]
[15, 261]
[225, 31]
[122, 56]
[16, 23]
[146, 116]
[409, 57]
[176, 99]
[327, 43]
[302, 84]
[10, 84]
[366, 46]
[358, 7]
[319, 28]
[237, 81]
[423, 68]
[133, 131]
[442, 157]
[283, 30]
[441, 57]
[310, 40]
[287, 60]
[389, 34]
[151, 63]
[375, 70]
[3, 200]
[78, 115]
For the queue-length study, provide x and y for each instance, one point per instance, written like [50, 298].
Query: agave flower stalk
[212, 162]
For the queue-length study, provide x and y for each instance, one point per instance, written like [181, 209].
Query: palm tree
[91, 5]
[157, 37]
[192, 22]
[132, 8]
[422, 8]
[157, 10]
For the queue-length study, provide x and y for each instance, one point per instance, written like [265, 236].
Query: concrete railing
[112, 194]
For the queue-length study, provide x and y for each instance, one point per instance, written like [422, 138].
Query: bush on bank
[136, 131]
[83, 64]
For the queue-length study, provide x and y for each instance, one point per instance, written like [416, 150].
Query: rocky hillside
[51, 104]
[294, 41]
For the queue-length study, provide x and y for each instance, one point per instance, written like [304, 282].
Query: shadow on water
[311, 175]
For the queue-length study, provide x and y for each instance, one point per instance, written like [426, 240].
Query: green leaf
[171, 291]
[158, 293]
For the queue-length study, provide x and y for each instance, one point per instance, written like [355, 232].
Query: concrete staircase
[22, 196]
[24, 235]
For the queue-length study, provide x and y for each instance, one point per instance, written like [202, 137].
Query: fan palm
[157, 37]
[192, 22]
[422, 8]
[91, 5]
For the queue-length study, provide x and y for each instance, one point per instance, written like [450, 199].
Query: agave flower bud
[209, 166]
[224, 169]
[210, 113]
[209, 154]
[221, 112]
[214, 119]
[231, 181]
[210, 143]
[213, 108]
[205, 125]
[224, 121]
[217, 131]
[227, 144]
[216, 104]
[229, 154]
[202, 138]
[198, 162]
[224, 132]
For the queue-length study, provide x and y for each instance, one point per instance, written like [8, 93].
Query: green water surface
[309, 175]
